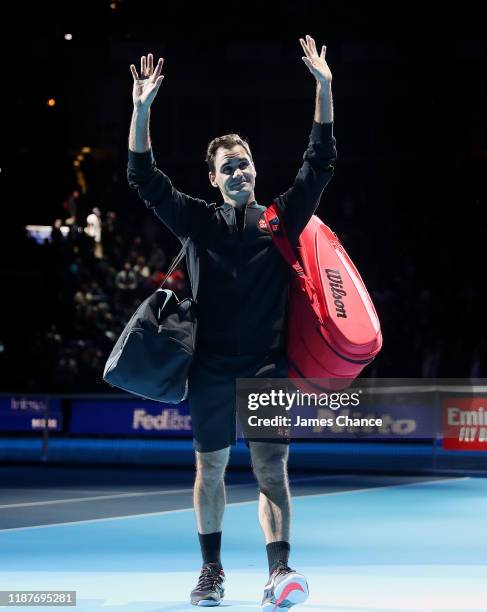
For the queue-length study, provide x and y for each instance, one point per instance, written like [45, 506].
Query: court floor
[125, 540]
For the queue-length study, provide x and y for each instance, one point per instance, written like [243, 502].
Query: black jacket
[243, 280]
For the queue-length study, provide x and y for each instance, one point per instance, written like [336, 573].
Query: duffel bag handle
[176, 261]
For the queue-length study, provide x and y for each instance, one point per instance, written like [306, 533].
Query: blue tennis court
[125, 539]
[239, 226]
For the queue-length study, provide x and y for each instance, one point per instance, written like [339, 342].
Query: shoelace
[282, 568]
[210, 578]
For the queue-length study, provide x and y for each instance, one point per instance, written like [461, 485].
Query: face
[234, 175]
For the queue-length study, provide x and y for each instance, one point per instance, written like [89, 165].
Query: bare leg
[209, 490]
[269, 462]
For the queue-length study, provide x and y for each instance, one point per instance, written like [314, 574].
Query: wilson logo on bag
[337, 291]
[333, 330]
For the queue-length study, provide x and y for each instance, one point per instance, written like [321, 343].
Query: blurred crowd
[94, 276]
[95, 271]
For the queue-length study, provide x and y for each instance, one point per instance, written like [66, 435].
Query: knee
[210, 467]
[271, 473]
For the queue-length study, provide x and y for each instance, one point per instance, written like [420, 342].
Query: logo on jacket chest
[274, 225]
[261, 224]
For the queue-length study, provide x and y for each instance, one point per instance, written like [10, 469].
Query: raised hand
[316, 63]
[147, 84]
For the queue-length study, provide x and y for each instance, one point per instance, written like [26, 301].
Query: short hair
[227, 142]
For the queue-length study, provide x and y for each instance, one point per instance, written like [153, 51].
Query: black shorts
[212, 393]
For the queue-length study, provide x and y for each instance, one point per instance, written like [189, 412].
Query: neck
[239, 203]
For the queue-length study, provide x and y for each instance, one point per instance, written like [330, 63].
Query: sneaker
[284, 589]
[209, 591]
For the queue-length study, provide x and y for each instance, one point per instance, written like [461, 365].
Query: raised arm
[144, 92]
[183, 214]
[300, 201]
[319, 69]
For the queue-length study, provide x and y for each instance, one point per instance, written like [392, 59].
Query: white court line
[93, 498]
[137, 494]
[254, 501]
[60, 488]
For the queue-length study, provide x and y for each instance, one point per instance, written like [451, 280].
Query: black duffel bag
[154, 352]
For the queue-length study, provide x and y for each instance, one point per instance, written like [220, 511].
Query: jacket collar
[226, 207]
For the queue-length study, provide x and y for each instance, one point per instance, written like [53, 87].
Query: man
[93, 229]
[242, 299]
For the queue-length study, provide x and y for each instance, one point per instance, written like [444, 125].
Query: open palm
[316, 63]
[147, 84]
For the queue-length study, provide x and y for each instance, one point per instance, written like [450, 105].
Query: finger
[309, 64]
[159, 81]
[311, 44]
[142, 66]
[305, 47]
[150, 67]
[134, 72]
[323, 51]
[158, 69]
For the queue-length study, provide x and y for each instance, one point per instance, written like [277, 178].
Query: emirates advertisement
[465, 423]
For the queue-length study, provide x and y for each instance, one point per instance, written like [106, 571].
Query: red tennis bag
[333, 328]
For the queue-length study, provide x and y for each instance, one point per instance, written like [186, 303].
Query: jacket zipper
[239, 284]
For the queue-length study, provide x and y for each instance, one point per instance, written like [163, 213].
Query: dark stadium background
[408, 197]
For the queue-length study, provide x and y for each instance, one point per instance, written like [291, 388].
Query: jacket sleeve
[182, 214]
[300, 202]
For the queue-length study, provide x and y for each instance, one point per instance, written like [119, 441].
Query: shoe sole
[289, 592]
[207, 603]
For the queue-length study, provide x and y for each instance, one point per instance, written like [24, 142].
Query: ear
[212, 179]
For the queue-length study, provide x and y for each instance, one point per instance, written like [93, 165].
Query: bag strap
[277, 229]
[176, 262]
